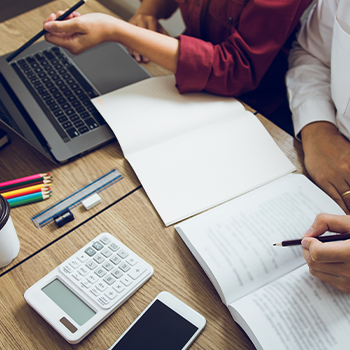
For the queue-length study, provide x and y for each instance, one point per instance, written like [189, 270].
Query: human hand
[330, 262]
[148, 22]
[327, 160]
[78, 33]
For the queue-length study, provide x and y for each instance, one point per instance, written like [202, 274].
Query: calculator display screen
[73, 306]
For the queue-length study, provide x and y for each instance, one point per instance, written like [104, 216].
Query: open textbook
[268, 289]
[190, 152]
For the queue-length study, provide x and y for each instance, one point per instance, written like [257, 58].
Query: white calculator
[79, 294]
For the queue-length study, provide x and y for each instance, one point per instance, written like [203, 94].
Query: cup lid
[4, 211]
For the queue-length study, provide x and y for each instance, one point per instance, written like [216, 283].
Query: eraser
[63, 217]
[91, 201]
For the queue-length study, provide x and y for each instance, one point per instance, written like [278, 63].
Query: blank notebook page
[207, 157]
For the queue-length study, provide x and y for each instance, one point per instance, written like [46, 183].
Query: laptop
[46, 92]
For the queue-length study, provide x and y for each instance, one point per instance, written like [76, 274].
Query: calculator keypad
[105, 269]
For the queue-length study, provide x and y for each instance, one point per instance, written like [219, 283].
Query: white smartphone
[166, 323]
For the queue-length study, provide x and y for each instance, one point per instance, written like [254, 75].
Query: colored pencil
[43, 31]
[28, 196]
[331, 238]
[44, 183]
[26, 190]
[26, 178]
[24, 181]
[15, 202]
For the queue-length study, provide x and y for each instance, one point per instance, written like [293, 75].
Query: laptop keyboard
[61, 91]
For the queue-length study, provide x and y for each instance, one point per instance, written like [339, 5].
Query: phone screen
[158, 328]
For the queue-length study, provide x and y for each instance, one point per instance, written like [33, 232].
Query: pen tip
[274, 244]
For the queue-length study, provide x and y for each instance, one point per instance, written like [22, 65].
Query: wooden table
[135, 223]
[125, 212]
[17, 160]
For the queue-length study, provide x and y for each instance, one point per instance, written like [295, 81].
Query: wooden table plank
[134, 222]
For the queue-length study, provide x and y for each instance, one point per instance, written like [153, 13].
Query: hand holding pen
[63, 15]
[330, 262]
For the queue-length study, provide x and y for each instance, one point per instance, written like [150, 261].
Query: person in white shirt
[318, 83]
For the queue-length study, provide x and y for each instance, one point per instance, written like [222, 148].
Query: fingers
[72, 15]
[328, 222]
[71, 26]
[334, 191]
[336, 274]
[148, 23]
[81, 32]
[162, 30]
[66, 34]
[139, 58]
[51, 18]
[339, 200]
[346, 197]
[331, 252]
[341, 194]
[54, 16]
[330, 262]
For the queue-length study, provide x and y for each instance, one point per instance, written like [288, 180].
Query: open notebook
[268, 289]
[190, 152]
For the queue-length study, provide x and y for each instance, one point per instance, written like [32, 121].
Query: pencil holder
[9, 242]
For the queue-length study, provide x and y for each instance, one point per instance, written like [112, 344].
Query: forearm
[83, 32]
[157, 8]
[159, 48]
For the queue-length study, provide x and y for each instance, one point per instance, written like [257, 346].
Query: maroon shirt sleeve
[237, 64]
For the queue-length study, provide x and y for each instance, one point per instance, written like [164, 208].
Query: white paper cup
[9, 242]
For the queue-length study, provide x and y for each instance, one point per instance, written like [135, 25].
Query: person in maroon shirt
[235, 48]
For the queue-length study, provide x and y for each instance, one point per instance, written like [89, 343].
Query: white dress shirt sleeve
[309, 77]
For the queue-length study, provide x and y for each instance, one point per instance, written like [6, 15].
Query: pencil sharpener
[63, 217]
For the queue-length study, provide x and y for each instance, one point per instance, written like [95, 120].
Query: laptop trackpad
[109, 67]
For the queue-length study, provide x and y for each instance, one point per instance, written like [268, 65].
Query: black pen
[332, 238]
[43, 31]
